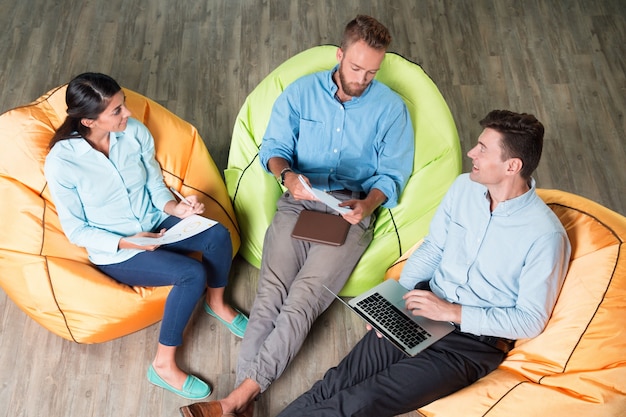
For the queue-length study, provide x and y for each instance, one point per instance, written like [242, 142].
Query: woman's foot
[237, 324]
[172, 375]
[165, 373]
[222, 310]
[214, 305]
[192, 388]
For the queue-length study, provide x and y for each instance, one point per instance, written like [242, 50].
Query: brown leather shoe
[203, 409]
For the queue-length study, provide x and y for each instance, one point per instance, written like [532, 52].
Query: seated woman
[107, 187]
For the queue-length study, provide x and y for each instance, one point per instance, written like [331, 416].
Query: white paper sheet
[184, 229]
[325, 198]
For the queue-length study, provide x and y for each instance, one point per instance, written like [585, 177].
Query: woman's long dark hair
[86, 97]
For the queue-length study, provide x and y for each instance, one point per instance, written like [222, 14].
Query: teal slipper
[193, 388]
[237, 327]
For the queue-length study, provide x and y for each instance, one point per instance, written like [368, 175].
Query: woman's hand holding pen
[186, 207]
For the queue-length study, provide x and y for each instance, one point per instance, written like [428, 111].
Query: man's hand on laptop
[426, 304]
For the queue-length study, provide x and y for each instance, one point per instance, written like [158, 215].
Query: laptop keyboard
[397, 324]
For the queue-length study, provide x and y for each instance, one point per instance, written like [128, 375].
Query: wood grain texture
[564, 61]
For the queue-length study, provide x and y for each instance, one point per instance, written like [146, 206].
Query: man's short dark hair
[367, 29]
[522, 137]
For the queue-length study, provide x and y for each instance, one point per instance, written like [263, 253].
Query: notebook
[318, 227]
[383, 308]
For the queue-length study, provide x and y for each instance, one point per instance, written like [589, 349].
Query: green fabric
[437, 163]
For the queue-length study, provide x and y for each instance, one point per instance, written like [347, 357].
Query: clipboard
[318, 227]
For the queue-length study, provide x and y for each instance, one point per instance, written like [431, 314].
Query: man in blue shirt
[351, 136]
[493, 264]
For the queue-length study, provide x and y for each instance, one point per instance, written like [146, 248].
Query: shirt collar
[81, 146]
[508, 207]
[332, 87]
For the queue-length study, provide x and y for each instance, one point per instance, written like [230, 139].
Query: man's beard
[348, 88]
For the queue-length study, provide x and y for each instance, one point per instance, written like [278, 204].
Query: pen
[179, 195]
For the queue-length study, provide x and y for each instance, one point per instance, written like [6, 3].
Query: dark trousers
[377, 379]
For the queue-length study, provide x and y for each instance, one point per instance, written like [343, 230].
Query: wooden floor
[564, 61]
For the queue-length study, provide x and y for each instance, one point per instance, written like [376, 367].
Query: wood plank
[563, 61]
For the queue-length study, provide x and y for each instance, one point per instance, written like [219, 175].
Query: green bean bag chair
[437, 163]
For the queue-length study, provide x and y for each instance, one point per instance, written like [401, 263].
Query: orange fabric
[393, 272]
[577, 365]
[41, 271]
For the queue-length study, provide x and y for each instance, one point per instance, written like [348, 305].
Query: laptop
[383, 308]
[318, 227]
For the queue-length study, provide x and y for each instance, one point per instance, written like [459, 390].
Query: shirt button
[335, 150]
[338, 129]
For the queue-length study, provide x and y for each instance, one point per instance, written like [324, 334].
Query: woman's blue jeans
[171, 265]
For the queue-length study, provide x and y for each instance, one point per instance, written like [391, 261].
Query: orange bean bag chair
[51, 279]
[577, 366]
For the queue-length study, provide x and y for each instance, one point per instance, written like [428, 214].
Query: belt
[500, 343]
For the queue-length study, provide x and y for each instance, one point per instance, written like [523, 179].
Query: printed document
[184, 229]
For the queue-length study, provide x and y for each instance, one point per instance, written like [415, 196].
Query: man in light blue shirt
[358, 145]
[485, 269]
[343, 133]
[493, 264]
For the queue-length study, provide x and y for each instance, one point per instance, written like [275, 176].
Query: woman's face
[115, 117]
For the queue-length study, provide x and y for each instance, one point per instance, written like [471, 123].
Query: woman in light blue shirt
[107, 186]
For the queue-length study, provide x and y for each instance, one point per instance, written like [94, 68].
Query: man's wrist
[282, 174]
